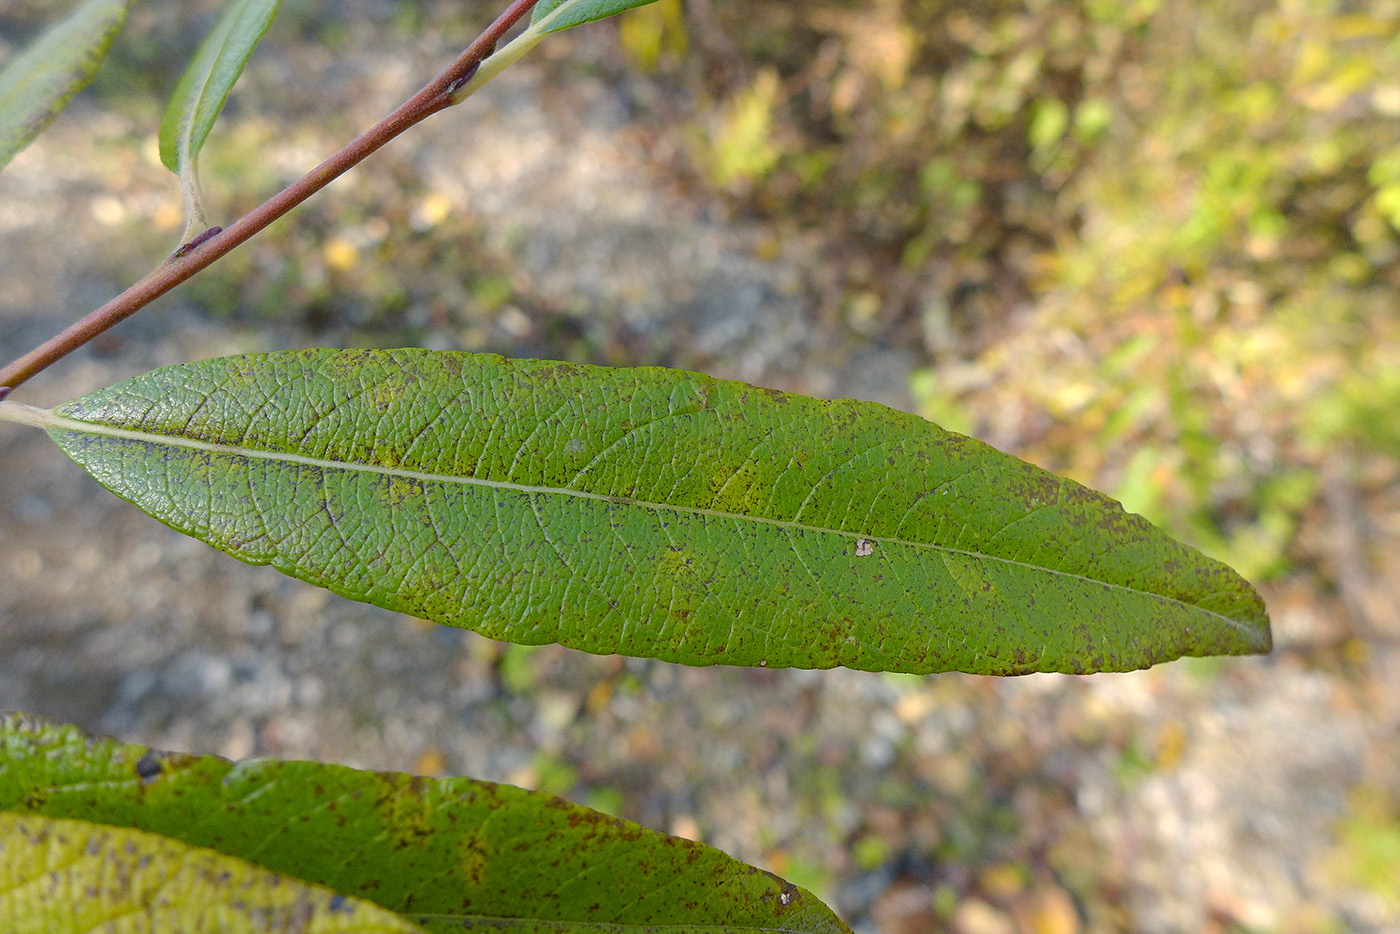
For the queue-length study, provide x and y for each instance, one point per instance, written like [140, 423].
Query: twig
[204, 250]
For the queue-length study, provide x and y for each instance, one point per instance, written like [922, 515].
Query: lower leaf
[450, 853]
[65, 876]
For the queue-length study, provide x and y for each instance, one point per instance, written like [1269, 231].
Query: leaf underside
[448, 854]
[40, 81]
[204, 87]
[578, 12]
[654, 513]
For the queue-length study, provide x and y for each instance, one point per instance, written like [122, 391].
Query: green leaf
[71, 877]
[204, 88]
[654, 513]
[449, 853]
[558, 15]
[41, 80]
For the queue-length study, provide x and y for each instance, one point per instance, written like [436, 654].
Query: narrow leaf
[558, 15]
[72, 877]
[204, 88]
[451, 853]
[654, 513]
[41, 80]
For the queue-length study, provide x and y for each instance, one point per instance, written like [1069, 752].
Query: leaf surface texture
[66, 876]
[654, 513]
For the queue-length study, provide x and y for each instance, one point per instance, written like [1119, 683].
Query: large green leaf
[447, 853]
[558, 15]
[204, 89]
[40, 81]
[654, 513]
[62, 876]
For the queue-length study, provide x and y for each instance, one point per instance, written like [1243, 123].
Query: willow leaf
[654, 513]
[40, 81]
[204, 89]
[557, 15]
[451, 853]
[63, 876]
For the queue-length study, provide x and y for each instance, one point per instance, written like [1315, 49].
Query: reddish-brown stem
[436, 96]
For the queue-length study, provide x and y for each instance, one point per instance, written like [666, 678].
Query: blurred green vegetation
[1367, 854]
[1154, 245]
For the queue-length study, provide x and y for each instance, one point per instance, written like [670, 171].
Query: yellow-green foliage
[654, 33]
[1227, 310]
[741, 145]
[1190, 211]
[1367, 852]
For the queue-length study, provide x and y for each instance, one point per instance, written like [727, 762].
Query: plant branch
[446, 89]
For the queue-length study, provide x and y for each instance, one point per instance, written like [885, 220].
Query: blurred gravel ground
[1234, 795]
